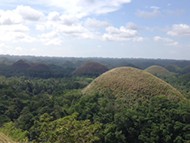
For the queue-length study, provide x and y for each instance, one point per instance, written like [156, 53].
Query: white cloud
[75, 30]
[63, 24]
[81, 8]
[62, 18]
[94, 23]
[153, 12]
[18, 49]
[53, 41]
[41, 27]
[54, 16]
[7, 49]
[73, 21]
[167, 41]
[15, 33]
[3, 48]
[179, 30]
[13, 25]
[33, 50]
[18, 15]
[51, 38]
[29, 13]
[9, 17]
[122, 34]
[71, 29]
[14, 28]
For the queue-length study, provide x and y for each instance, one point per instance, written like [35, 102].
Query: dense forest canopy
[41, 100]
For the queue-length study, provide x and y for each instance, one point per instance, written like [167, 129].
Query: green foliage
[43, 109]
[96, 108]
[111, 134]
[159, 121]
[16, 134]
[180, 82]
[66, 130]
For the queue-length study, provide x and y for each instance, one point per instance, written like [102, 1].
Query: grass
[5, 139]
[8, 131]
[131, 85]
[158, 71]
[90, 68]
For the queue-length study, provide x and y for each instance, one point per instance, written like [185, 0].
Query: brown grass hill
[39, 70]
[159, 71]
[20, 65]
[131, 86]
[5, 139]
[90, 69]
[39, 67]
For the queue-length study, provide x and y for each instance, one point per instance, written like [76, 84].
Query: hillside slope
[131, 85]
[5, 139]
[158, 71]
[90, 69]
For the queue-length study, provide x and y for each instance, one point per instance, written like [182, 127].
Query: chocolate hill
[131, 85]
[90, 69]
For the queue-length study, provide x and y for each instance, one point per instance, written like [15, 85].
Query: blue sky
[96, 28]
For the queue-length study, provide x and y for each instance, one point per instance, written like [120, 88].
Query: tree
[67, 130]
[161, 120]
[16, 134]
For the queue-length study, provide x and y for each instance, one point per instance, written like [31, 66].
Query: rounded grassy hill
[158, 71]
[131, 85]
[90, 69]
[20, 65]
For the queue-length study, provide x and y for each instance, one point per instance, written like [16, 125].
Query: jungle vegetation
[42, 101]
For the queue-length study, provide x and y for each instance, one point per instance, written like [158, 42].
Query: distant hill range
[71, 66]
[41, 69]
[23, 65]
